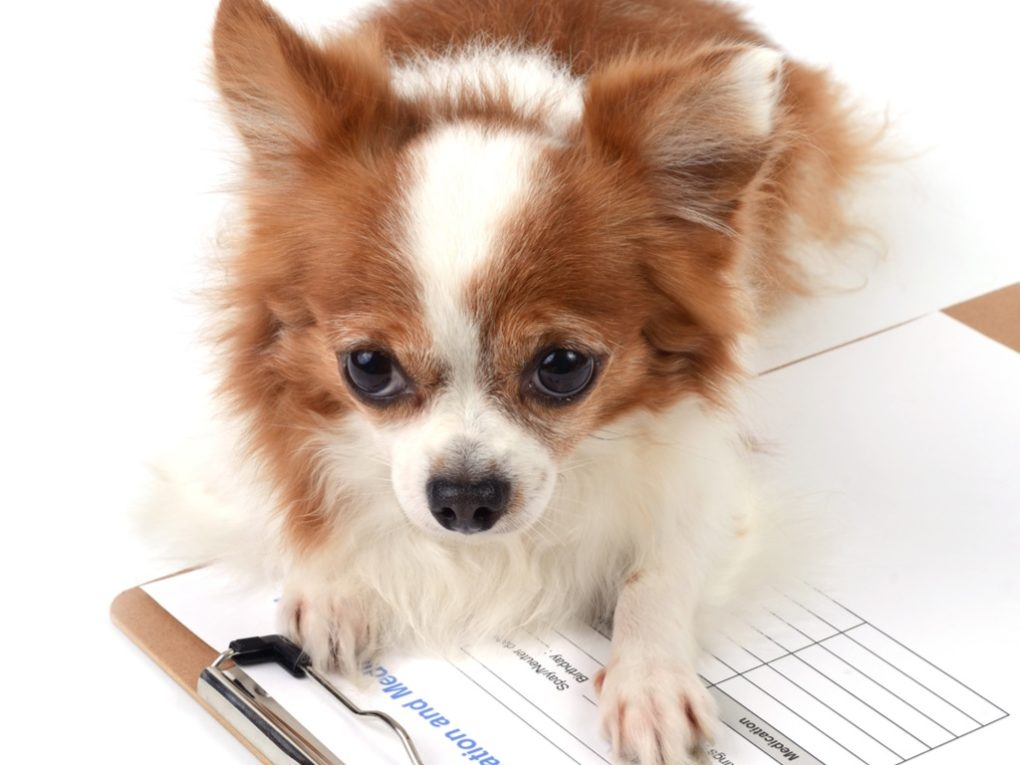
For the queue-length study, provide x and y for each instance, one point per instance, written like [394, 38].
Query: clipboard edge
[173, 647]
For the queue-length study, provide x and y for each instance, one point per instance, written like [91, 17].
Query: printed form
[907, 654]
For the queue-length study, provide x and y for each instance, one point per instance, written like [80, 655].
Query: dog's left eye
[374, 375]
[561, 373]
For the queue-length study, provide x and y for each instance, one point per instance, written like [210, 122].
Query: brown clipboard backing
[183, 656]
[175, 648]
[996, 315]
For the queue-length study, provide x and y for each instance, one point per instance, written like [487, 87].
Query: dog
[484, 327]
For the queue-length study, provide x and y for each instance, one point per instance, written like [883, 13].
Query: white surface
[939, 216]
[111, 158]
[924, 507]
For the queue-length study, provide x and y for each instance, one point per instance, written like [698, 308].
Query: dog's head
[460, 280]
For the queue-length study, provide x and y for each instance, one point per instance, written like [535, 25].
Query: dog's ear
[287, 95]
[700, 127]
[696, 132]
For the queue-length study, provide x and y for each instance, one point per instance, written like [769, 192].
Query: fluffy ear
[286, 94]
[701, 127]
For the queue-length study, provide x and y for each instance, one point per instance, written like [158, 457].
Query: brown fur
[821, 147]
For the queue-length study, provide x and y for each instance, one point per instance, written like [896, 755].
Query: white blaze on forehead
[535, 83]
[467, 182]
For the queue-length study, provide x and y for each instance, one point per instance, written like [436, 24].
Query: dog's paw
[655, 713]
[333, 630]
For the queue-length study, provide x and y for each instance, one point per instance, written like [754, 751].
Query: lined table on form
[810, 676]
[803, 679]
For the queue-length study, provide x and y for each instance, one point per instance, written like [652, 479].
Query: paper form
[907, 654]
[813, 684]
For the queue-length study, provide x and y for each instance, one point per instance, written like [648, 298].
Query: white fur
[468, 181]
[535, 83]
[650, 493]
[755, 76]
[207, 502]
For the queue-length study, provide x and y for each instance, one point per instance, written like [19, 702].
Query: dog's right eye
[374, 375]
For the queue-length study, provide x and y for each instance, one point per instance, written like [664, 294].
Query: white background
[110, 163]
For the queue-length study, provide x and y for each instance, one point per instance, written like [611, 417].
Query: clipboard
[218, 683]
[184, 656]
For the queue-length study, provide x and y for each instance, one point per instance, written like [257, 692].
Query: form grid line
[792, 711]
[763, 663]
[827, 706]
[885, 660]
[962, 735]
[511, 711]
[915, 654]
[821, 644]
[846, 690]
[579, 648]
[914, 679]
[854, 696]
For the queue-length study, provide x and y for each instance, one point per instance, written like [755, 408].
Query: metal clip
[261, 720]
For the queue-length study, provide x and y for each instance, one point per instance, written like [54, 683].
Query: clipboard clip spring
[263, 721]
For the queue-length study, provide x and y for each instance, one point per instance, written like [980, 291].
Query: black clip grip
[270, 649]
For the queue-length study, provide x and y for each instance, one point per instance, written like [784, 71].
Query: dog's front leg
[654, 708]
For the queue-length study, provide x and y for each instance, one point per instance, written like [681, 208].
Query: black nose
[467, 507]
